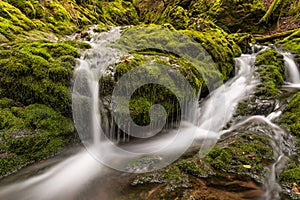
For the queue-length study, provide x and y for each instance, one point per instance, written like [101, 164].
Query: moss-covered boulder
[270, 68]
[190, 53]
[244, 155]
[31, 133]
[38, 72]
[35, 100]
[220, 46]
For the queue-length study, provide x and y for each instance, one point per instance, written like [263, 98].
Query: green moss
[9, 121]
[291, 176]
[171, 176]
[38, 72]
[219, 47]
[15, 16]
[246, 149]
[31, 134]
[242, 40]
[78, 44]
[26, 7]
[231, 15]
[119, 12]
[270, 68]
[6, 103]
[154, 44]
[202, 23]
[10, 163]
[41, 117]
[177, 16]
[238, 15]
[291, 115]
[58, 12]
[190, 167]
[293, 45]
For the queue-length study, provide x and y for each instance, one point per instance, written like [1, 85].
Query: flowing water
[67, 178]
[292, 69]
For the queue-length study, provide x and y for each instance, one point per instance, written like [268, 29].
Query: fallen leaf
[247, 166]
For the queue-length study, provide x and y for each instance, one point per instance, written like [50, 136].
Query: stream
[78, 172]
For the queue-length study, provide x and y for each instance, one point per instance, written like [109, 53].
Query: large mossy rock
[271, 70]
[245, 154]
[31, 133]
[38, 72]
[35, 101]
[204, 68]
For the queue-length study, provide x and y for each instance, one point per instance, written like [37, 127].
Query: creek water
[71, 176]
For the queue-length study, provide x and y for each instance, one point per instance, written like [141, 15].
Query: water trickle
[291, 68]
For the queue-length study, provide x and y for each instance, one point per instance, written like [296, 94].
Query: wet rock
[243, 154]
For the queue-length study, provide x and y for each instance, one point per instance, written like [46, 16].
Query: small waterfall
[86, 86]
[67, 178]
[219, 108]
[291, 68]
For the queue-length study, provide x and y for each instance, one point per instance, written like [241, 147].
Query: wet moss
[190, 167]
[155, 44]
[31, 133]
[245, 154]
[291, 115]
[38, 72]
[291, 176]
[270, 68]
[221, 49]
[146, 96]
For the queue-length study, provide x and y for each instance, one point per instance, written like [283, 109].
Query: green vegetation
[38, 72]
[290, 121]
[31, 133]
[271, 69]
[158, 45]
[245, 153]
[32, 74]
[291, 176]
[291, 115]
[231, 15]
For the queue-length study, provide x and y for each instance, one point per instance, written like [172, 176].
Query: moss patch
[232, 15]
[245, 154]
[270, 68]
[291, 115]
[28, 134]
[38, 72]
